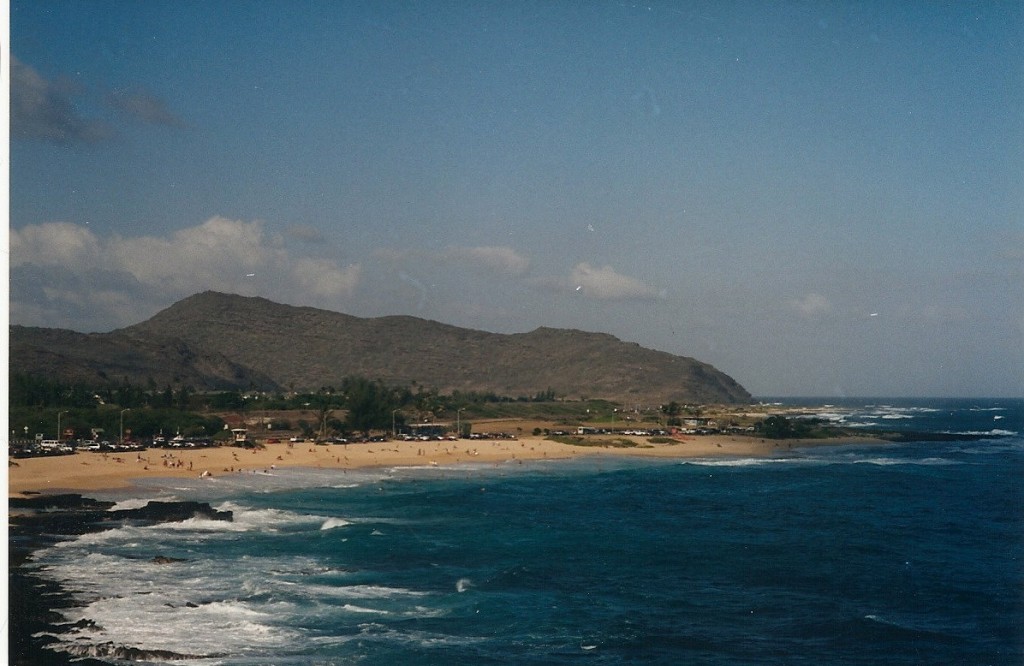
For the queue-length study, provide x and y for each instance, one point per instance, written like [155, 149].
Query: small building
[418, 430]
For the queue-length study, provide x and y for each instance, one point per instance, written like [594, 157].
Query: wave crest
[332, 523]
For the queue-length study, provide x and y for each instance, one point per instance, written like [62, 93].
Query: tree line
[36, 402]
[33, 391]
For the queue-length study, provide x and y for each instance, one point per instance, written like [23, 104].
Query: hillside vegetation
[215, 341]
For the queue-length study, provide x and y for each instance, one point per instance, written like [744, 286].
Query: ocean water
[894, 554]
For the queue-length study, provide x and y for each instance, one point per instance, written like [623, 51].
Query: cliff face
[216, 341]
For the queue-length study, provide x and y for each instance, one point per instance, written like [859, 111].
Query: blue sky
[817, 198]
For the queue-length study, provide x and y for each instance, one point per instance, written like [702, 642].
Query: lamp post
[127, 409]
[58, 423]
[394, 429]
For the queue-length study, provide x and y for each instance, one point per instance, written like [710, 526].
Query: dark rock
[32, 618]
[171, 512]
[67, 502]
[128, 653]
[40, 521]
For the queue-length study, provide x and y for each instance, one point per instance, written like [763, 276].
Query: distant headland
[215, 341]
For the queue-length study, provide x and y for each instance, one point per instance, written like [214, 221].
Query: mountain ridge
[216, 341]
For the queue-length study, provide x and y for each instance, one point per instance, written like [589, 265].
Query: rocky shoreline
[34, 601]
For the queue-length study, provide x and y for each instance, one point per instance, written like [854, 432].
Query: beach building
[430, 430]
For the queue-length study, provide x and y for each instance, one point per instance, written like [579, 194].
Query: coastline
[731, 473]
[35, 601]
[90, 471]
[47, 494]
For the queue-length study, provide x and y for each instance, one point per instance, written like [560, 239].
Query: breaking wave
[332, 523]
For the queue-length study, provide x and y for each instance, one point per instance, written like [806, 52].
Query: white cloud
[60, 268]
[54, 244]
[305, 233]
[496, 258]
[323, 277]
[43, 109]
[502, 259]
[144, 106]
[606, 284]
[811, 305]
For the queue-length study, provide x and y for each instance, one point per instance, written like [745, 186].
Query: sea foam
[277, 587]
[139, 502]
[332, 523]
[753, 462]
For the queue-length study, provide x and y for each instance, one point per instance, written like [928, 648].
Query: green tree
[324, 409]
[166, 398]
[672, 411]
[775, 427]
[370, 405]
[225, 400]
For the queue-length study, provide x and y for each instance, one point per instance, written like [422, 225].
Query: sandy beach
[86, 471]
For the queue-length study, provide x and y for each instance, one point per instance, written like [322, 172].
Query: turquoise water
[902, 554]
